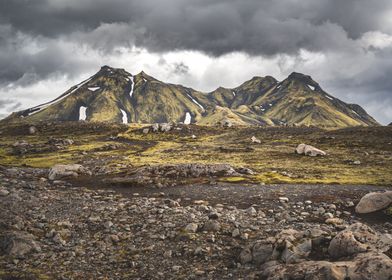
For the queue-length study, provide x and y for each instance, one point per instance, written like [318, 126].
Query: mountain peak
[301, 77]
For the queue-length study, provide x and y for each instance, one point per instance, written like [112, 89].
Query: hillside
[114, 95]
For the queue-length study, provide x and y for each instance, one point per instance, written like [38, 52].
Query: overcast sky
[46, 46]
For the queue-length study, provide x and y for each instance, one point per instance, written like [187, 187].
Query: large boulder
[370, 266]
[289, 246]
[373, 202]
[61, 171]
[357, 238]
[18, 244]
[308, 150]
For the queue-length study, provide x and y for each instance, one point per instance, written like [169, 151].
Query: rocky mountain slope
[114, 95]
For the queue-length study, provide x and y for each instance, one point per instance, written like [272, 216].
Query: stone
[226, 123]
[165, 127]
[235, 233]
[334, 221]
[357, 238]
[32, 130]
[374, 201]
[61, 171]
[192, 227]
[283, 199]
[155, 127]
[261, 252]
[4, 192]
[18, 244]
[363, 266]
[245, 256]
[308, 150]
[146, 130]
[251, 211]
[255, 140]
[212, 225]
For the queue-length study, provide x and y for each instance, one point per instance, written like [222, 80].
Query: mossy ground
[274, 160]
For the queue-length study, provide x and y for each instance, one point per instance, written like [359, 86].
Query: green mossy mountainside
[114, 95]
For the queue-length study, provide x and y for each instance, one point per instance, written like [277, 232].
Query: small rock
[4, 192]
[212, 225]
[192, 227]
[235, 233]
[255, 140]
[283, 199]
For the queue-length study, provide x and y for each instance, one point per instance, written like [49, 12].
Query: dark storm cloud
[213, 26]
[38, 37]
[10, 104]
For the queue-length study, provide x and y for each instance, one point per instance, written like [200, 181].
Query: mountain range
[114, 95]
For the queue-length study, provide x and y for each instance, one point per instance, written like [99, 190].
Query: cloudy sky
[46, 46]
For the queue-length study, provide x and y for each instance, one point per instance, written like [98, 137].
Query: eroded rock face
[308, 150]
[18, 244]
[61, 171]
[373, 202]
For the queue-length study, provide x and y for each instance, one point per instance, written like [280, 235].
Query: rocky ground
[58, 229]
[102, 201]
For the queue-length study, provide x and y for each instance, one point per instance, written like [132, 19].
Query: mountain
[114, 95]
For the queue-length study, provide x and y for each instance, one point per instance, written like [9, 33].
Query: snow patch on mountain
[197, 103]
[312, 87]
[130, 79]
[188, 118]
[329, 97]
[124, 116]
[82, 113]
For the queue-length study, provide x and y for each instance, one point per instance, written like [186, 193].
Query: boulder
[61, 171]
[165, 127]
[357, 238]
[308, 150]
[146, 130]
[155, 127]
[18, 244]
[372, 266]
[261, 252]
[373, 202]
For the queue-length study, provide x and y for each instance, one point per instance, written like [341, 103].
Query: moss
[233, 179]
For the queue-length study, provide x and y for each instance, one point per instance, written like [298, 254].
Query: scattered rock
[192, 227]
[373, 202]
[308, 150]
[357, 238]
[32, 130]
[363, 266]
[4, 192]
[255, 140]
[212, 225]
[18, 244]
[61, 171]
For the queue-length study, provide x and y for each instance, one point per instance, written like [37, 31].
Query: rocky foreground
[51, 229]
